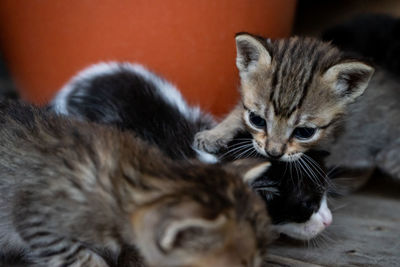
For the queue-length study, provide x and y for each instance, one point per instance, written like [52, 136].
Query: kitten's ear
[182, 228]
[192, 233]
[248, 169]
[250, 53]
[349, 79]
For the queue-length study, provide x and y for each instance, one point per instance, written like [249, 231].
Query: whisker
[251, 139]
[311, 173]
[300, 173]
[243, 154]
[332, 170]
[239, 143]
[237, 149]
[340, 207]
[291, 175]
[319, 170]
[297, 171]
[253, 154]
[248, 155]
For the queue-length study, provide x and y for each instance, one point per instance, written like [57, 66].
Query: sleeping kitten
[70, 190]
[294, 92]
[133, 98]
[91, 95]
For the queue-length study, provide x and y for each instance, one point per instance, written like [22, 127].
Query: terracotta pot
[190, 42]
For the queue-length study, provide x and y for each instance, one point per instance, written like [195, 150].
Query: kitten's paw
[210, 142]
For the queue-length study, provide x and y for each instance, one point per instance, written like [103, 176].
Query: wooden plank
[365, 232]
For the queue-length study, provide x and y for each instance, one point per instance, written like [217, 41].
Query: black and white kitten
[133, 98]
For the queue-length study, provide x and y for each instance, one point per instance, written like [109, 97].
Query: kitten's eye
[304, 133]
[256, 120]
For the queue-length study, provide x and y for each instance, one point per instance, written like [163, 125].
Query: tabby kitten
[133, 98]
[69, 191]
[294, 91]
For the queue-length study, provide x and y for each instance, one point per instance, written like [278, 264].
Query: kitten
[71, 191]
[133, 98]
[295, 194]
[294, 92]
[370, 137]
[374, 36]
[91, 96]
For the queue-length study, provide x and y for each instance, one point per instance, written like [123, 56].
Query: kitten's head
[294, 192]
[294, 90]
[296, 199]
[215, 221]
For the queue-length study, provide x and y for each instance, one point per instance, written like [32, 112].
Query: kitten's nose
[273, 154]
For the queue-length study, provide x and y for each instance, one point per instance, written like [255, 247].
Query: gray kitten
[71, 190]
[370, 133]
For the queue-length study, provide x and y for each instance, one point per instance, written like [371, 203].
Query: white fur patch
[59, 102]
[292, 157]
[165, 89]
[309, 229]
[205, 157]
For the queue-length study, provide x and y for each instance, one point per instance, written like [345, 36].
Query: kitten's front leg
[217, 138]
[389, 159]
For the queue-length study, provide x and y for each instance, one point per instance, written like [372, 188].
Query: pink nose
[327, 223]
[327, 218]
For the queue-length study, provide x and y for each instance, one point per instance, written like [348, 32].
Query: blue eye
[304, 133]
[256, 120]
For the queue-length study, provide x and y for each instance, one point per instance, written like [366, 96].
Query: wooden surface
[365, 232]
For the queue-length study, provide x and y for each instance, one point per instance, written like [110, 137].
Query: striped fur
[290, 84]
[118, 94]
[75, 193]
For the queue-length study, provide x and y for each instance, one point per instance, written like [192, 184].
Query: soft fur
[289, 84]
[370, 136]
[132, 98]
[76, 193]
[150, 112]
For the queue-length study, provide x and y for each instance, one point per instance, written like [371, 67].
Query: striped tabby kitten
[132, 98]
[294, 91]
[69, 191]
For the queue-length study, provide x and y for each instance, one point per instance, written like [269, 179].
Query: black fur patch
[128, 101]
[298, 196]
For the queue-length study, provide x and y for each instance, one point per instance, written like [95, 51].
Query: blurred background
[191, 43]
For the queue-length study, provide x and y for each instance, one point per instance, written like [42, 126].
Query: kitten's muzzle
[273, 154]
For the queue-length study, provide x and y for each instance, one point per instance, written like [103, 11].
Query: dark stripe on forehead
[315, 56]
[295, 63]
[273, 84]
[279, 58]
